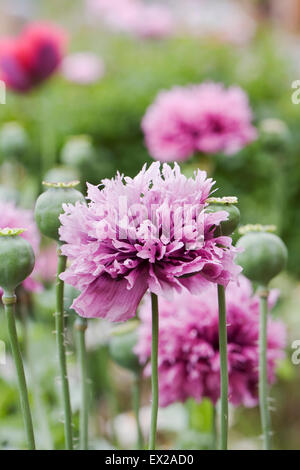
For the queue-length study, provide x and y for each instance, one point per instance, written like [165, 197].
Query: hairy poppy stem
[9, 300]
[136, 392]
[223, 367]
[154, 367]
[263, 374]
[81, 326]
[60, 341]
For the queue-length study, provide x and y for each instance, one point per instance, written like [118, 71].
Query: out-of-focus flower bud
[14, 140]
[274, 132]
[78, 151]
[121, 345]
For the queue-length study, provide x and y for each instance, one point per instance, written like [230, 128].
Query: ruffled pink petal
[110, 299]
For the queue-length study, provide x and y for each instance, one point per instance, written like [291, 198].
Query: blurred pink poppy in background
[83, 68]
[155, 21]
[204, 118]
[134, 17]
[46, 263]
[32, 57]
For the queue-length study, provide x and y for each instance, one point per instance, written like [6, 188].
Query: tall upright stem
[60, 341]
[44, 436]
[224, 367]
[263, 374]
[9, 300]
[214, 428]
[154, 367]
[81, 326]
[136, 407]
[47, 136]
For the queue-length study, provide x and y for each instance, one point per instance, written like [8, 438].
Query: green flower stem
[214, 428]
[223, 367]
[154, 367]
[113, 408]
[9, 300]
[47, 138]
[60, 341]
[81, 326]
[263, 377]
[136, 407]
[43, 432]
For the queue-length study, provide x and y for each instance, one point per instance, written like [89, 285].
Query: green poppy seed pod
[49, 204]
[121, 347]
[78, 151]
[13, 139]
[264, 255]
[16, 259]
[227, 227]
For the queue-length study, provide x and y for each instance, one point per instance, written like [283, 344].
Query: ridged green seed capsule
[264, 256]
[227, 227]
[121, 350]
[16, 259]
[48, 206]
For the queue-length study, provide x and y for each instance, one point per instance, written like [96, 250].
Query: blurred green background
[265, 176]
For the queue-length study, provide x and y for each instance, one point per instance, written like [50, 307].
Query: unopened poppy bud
[16, 259]
[78, 151]
[49, 204]
[13, 139]
[121, 346]
[274, 132]
[264, 254]
[228, 226]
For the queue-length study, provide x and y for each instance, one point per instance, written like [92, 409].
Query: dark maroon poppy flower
[32, 57]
